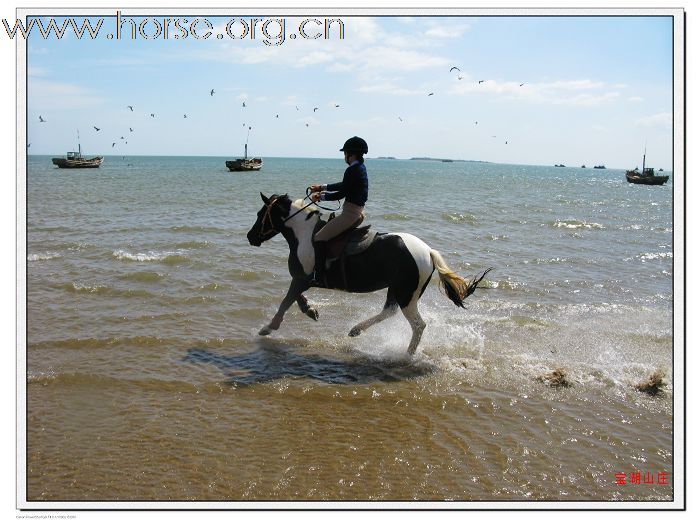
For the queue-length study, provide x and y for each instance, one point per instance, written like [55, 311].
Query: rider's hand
[315, 197]
[315, 188]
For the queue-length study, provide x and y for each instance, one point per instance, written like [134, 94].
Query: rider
[353, 188]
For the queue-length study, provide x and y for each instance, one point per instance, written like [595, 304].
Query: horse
[400, 262]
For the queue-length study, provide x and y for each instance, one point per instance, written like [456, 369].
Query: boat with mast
[647, 175]
[245, 164]
[75, 159]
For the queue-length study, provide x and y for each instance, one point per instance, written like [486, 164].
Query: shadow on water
[273, 360]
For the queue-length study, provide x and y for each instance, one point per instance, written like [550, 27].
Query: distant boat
[601, 167]
[446, 160]
[75, 159]
[559, 166]
[245, 164]
[583, 165]
[647, 175]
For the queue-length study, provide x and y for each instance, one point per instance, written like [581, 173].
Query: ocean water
[147, 381]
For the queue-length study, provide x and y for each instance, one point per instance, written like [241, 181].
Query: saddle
[350, 242]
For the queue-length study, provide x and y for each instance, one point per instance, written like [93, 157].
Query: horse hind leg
[417, 324]
[390, 308]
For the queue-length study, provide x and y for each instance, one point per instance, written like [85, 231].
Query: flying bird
[337, 105]
[211, 93]
[113, 143]
[430, 94]
[400, 119]
[521, 85]
[244, 103]
[131, 130]
[454, 67]
[506, 142]
[131, 108]
[277, 116]
[297, 107]
[480, 81]
[122, 138]
[476, 122]
[41, 119]
[153, 115]
[459, 77]
[315, 110]
[307, 124]
[96, 128]
[185, 116]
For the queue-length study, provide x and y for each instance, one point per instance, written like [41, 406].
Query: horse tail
[456, 288]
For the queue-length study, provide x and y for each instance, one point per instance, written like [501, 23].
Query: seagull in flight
[153, 115]
[131, 130]
[400, 119]
[113, 143]
[41, 119]
[131, 108]
[521, 85]
[430, 94]
[211, 93]
[455, 67]
[185, 116]
[480, 81]
[96, 128]
[337, 105]
[315, 110]
[244, 103]
[277, 116]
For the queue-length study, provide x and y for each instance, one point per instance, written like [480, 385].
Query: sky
[555, 90]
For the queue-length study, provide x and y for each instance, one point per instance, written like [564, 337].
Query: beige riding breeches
[352, 215]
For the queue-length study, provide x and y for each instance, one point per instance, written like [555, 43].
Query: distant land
[434, 159]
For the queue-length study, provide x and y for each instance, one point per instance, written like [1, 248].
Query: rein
[272, 203]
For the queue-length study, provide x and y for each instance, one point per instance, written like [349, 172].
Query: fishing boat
[75, 159]
[601, 167]
[559, 166]
[647, 175]
[245, 164]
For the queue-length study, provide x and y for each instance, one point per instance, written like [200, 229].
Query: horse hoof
[265, 330]
[355, 332]
[313, 313]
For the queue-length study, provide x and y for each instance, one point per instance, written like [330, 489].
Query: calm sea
[147, 379]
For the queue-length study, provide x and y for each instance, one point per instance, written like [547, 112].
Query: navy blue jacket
[353, 188]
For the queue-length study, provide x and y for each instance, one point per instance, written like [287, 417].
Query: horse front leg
[305, 308]
[295, 289]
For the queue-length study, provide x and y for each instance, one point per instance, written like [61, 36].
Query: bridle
[268, 217]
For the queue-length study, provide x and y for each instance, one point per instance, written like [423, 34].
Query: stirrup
[316, 283]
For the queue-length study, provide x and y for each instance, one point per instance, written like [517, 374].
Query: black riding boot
[319, 279]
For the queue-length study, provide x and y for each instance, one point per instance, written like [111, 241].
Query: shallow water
[147, 380]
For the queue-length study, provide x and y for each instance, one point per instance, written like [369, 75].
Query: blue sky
[595, 89]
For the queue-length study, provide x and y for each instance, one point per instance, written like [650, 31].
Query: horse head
[270, 219]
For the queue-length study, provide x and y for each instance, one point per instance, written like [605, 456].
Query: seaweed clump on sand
[653, 385]
[557, 378]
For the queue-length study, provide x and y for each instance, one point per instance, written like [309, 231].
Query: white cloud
[443, 30]
[663, 120]
[45, 94]
[583, 92]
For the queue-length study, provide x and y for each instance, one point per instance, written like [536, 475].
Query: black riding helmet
[355, 145]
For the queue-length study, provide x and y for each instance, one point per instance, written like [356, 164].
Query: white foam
[43, 256]
[146, 257]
